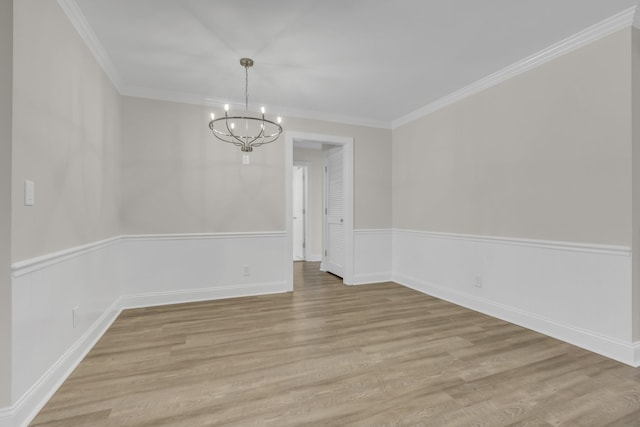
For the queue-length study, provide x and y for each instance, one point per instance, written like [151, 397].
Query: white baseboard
[578, 293]
[624, 352]
[372, 278]
[314, 258]
[194, 295]
[27, 407]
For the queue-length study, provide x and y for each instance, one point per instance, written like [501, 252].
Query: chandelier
[246, 130]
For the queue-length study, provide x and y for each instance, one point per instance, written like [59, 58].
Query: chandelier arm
[221, 135]
[224, 137]
[275, 135]
[269, 138]
[257, 136]
[268, 141]
[261, 144]
[231, 134]
[229, 142]
[237, 144]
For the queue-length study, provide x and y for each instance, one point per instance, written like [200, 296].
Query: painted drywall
[635, 158]
[176, 178]
[372, 171]
[315, 196]
[544, 155]
[66, 136]
[6, 82]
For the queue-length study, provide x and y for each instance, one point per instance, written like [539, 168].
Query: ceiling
[367, 61]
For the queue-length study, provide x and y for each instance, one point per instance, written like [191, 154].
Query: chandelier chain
[246, 88]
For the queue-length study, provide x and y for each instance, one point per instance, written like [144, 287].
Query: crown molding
[79, 22]
[626, 18]
[194, 99]
[617, 22]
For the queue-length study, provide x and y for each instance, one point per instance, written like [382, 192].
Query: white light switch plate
[29, 193]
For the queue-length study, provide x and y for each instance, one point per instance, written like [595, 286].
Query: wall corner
[6, 118]
[635, 168]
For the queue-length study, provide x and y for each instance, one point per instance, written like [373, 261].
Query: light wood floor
[329, 354]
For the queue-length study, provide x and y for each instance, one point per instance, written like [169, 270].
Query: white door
[299, 196]
[334, 243]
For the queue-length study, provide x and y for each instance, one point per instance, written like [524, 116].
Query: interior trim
[79, 22]
[596, 32]
[547, 244]
[21, 268]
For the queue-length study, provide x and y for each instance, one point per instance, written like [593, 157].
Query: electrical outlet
[477, 281]
[74, 315]
[246, 270]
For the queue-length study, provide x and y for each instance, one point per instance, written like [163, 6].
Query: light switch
[246, 159]
[29, 193]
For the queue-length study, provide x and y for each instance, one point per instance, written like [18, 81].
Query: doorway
[344, 231]
[300, 209]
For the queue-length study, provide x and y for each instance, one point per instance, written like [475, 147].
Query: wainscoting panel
[578, 293]
[64, 302]
[166, 269]
[372, 256]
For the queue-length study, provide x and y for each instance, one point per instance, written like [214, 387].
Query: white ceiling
[371, 61]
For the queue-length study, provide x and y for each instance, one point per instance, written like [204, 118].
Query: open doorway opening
[329, 213]
[300, 197]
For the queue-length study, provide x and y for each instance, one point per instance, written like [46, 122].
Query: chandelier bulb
[279, 119]
[213, 116]
[226, 107]
[262, 110]
[233, 125]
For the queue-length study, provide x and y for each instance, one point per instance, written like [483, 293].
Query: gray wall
[6, 62]
[371, 169]
[177, 179]
[635, 109]
[66, 135]
[544, 155]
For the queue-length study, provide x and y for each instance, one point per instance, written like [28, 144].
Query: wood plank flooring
[329, 354]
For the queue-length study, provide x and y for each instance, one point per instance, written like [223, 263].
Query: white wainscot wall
[47, 342]
[101, 279]
[178, 268]
[372, 256]
[578, 293]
